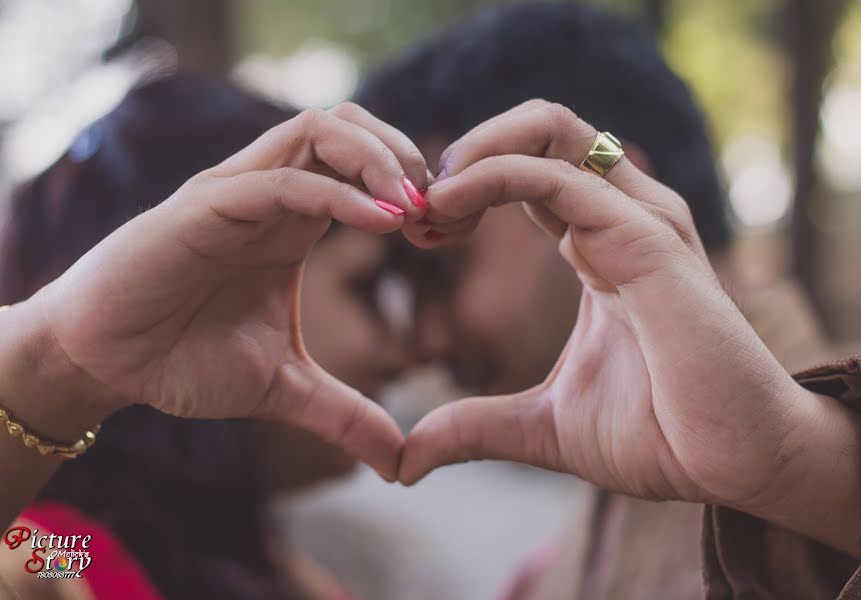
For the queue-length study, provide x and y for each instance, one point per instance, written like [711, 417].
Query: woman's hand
[663, 390]
[193, 306]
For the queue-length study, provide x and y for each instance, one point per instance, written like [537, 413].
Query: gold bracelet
[46, 447]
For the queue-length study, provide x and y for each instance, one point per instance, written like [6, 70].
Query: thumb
[518, 427]
[314, 400]
[546, 220]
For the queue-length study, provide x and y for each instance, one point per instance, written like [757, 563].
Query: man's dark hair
[607, 69]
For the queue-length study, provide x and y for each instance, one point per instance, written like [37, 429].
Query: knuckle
[567, 171]
[348, 110]
[202, 179]
[563, 171]
[676, 204]
[606, 187]
[415, 160]
[564, 167]
[534, 103]
[680, 218]
[684, 214]
[558, 114]
[341, 189]
[310, 118]
[201, 184]
[557, 119]
[281, 178]
[388, 159]
[557, 188]
[282, 129]
[671, 226]
[383, 151]
[642, 239]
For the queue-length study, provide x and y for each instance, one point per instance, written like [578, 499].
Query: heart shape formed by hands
[633, 404]
[193, 308]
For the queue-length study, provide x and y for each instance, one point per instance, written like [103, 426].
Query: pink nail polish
[391, 208]
[433, 236]
[414, 194]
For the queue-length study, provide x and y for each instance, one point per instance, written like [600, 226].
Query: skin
[495, 337]
[663, 390]
[193, 307]
[342, 276]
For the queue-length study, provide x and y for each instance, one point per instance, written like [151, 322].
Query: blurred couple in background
[187, 498]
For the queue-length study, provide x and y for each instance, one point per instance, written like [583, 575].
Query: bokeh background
[779, 81]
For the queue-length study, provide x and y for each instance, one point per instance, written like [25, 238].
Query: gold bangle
[47, 447]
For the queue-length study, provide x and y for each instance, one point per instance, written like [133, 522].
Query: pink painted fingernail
[415, 196]
[389, 207]
[433, 236]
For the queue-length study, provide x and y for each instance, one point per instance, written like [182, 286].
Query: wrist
[39, 385]
[818, 489]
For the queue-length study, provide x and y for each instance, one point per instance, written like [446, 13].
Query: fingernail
[440, 182]
[433, 236]
[414, 194]
[389, 207]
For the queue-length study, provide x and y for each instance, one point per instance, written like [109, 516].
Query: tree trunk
[810, 29]
[200, 30]
[655, 12]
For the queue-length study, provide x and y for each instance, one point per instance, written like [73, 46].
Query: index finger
[322, 142]
[576, 197]
[411, 158]
[543, 129]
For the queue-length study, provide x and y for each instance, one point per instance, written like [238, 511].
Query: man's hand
[663, 390]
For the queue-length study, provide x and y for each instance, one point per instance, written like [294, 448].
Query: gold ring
[605, 153]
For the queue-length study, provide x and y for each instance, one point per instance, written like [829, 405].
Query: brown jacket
[745, 557]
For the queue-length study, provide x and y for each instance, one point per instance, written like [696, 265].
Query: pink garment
[113, 572]
[531, 572]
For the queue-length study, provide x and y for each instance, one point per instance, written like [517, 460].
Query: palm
[603, 398]
[659, 391]
[192, 307]
[232, 346]
[624, 408]
[209, 349]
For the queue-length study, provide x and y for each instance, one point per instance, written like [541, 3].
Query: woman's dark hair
[178, 493]
[607, 69]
